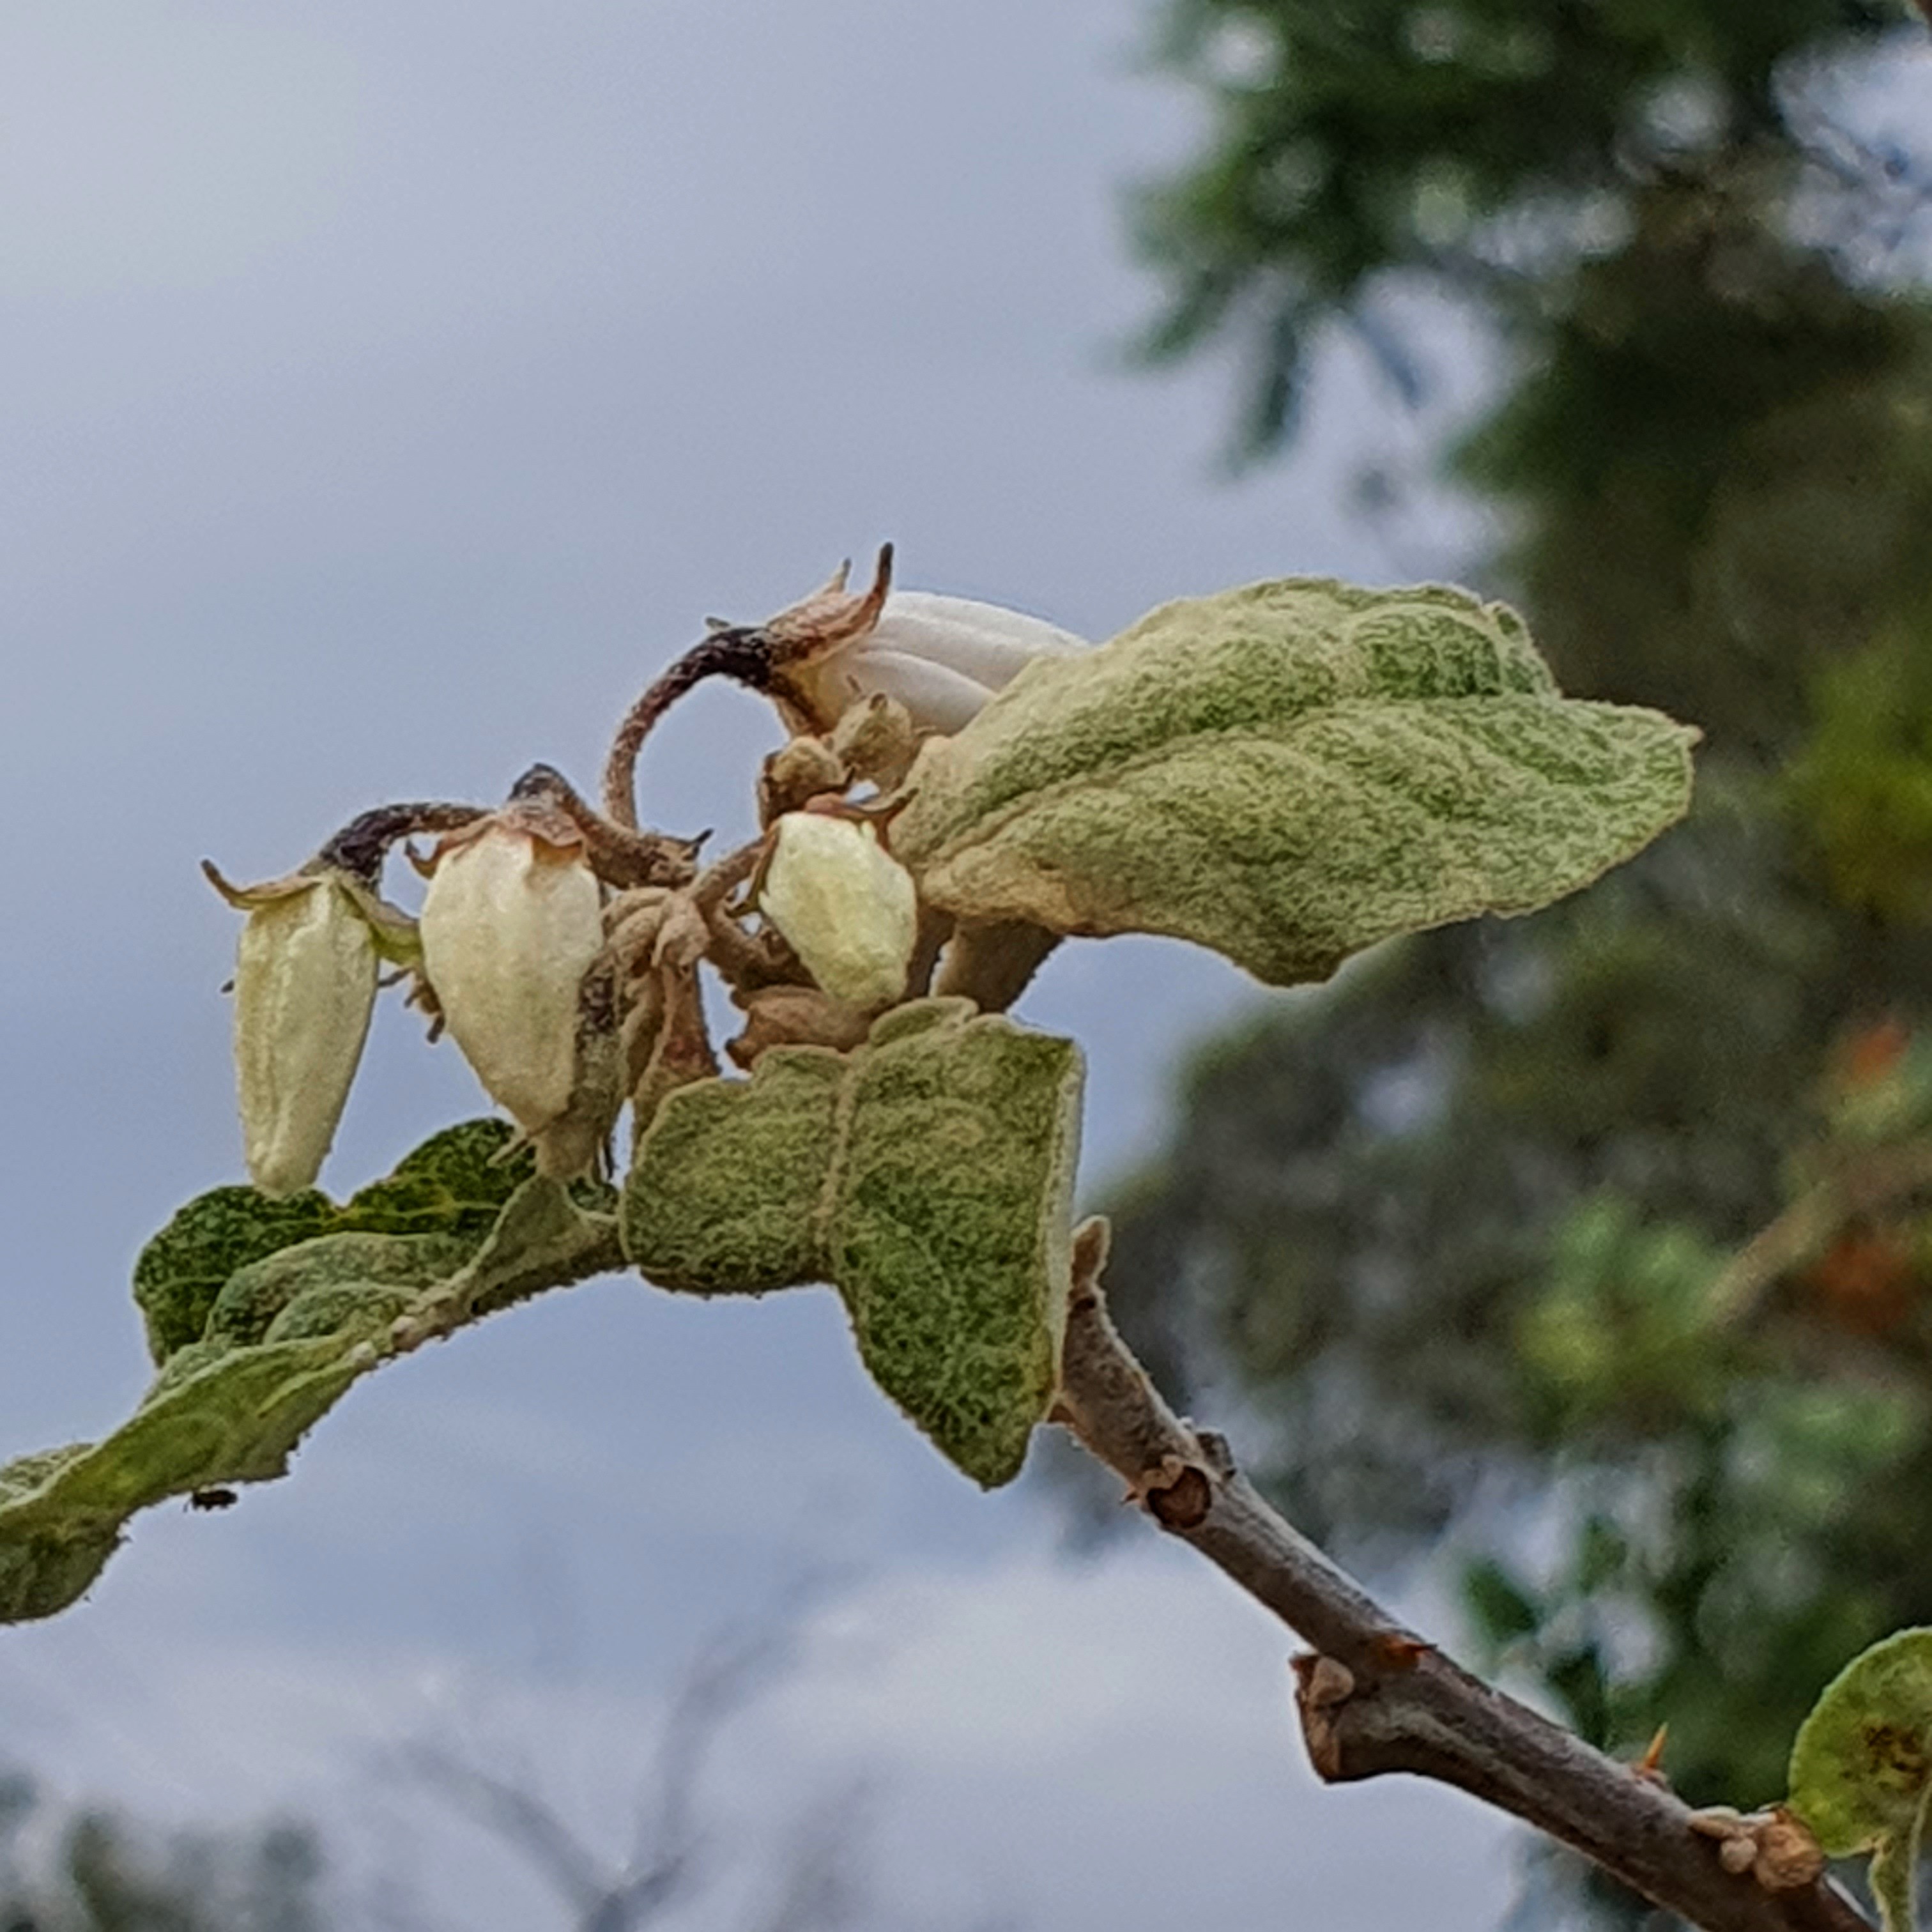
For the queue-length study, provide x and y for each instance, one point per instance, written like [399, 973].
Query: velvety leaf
[1861, 1768]
[1288, 773]
[728, 1186]
[453, 1184]
[255, 1297]
[927, 1175]
[290, 1330]
[182, 1269]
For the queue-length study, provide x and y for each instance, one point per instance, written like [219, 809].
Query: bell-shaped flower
[941, 657]
[305, 979]
[512, 922]
[847, 906]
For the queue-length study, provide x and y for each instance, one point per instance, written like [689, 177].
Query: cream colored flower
[305, 977]
[848, 908]
[941, 657]
[512, 920]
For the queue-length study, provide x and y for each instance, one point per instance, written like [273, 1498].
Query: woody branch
[1373, 1696]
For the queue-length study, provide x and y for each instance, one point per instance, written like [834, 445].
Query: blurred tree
[681, 1852]
[1470, 1233]
[93, 1871]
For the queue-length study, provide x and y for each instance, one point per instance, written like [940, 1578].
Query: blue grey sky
[393, 387]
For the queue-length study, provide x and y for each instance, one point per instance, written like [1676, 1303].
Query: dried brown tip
[247, 899]
[831, 616]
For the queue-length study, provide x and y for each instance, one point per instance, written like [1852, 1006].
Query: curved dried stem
[743, 655]
[993, 963]
[758, 656]
[722, 876]
[748, 962]
[360, 847]
[832, 616]
[620, 855]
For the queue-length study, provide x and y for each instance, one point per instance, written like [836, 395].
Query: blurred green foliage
[92, 1870]
[1600, 1244]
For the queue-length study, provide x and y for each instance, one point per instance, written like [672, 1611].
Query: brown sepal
[832, 616]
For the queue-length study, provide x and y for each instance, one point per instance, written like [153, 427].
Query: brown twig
[764, 657]
[1374, 1696]
[363, 844]
[620, 855]
[743, 655]
[1886, 1179]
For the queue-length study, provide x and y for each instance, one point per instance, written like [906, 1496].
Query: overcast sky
[393, 385]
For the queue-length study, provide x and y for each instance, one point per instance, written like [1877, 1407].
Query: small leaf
[181, 1270]
[927, 1175]
[1505, 1611]
[1288, 773]
[291, 1329]
[454, 1183]
[1861, 1768]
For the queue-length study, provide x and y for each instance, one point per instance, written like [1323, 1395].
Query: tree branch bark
[1374, 1696]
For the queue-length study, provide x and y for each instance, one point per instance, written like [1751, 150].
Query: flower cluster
[559, 944]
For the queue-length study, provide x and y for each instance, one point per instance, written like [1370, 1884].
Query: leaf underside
[928, 1176]
[1288, 773]
[262, 1313]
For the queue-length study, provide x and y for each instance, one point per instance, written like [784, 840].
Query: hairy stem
[620, 855]
[743, 655]
[1375, 1697]
[364, 843]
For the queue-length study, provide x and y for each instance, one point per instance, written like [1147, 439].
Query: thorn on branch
[1397, 1650]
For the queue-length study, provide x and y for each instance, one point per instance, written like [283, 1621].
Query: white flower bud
[512, 920]
[941, 657]
[305, 979]
[847, 906]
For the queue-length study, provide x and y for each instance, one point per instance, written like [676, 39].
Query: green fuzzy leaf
[927, 1175]
[728, 1186]
[182, 1269]
[1288, 773]
[1861, 1768]
[293, 1324]
[453, 1184]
